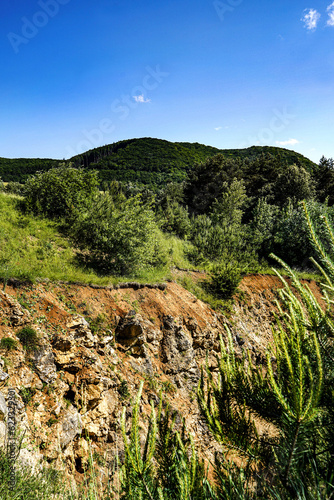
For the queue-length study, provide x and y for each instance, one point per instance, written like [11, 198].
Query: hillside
[19, 169]
[147, 161]
[95, 346]
[155, 162]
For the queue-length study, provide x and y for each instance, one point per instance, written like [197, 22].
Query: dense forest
[19, 169]
[148, 162]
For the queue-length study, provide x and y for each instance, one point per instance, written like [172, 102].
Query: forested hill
[152, 162]
[155, 162]
[19, 169]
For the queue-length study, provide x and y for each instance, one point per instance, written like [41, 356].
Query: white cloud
[141, 98]
[330, 10]
[310, 19]
[218, 128]
[290, 142]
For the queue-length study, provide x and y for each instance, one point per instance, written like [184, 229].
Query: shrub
[174, 219]
[225, 279]
[28, 338]
[60, 192]
[14, 188]
[120, 239]
[8, 343]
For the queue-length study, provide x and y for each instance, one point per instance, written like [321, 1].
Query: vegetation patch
[28, 338]
[8, 343]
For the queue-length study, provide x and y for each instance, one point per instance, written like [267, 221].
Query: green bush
[14, 188]
[28, 338]
[123, 239]
[61, 192]
[174, 219]
[8, 343]
[225, 279]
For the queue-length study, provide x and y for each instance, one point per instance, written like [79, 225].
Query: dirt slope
[97, 344]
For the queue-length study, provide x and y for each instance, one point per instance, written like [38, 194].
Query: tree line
[227, 212]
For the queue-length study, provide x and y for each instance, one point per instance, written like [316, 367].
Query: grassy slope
[32, 247]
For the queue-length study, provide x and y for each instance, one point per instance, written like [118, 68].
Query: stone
[82, 331]
[130, 329]
[3, 376]
[71, 427]
[179, 355]
[3, 434]
[3, 408]
[13, 310]
[31, 459]
[45, 365]
[63, 342]
[106, 340]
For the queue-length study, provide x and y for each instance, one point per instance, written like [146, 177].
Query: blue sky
[77, 74]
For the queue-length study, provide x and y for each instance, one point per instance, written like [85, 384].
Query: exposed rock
[3, 376]
[24, 377]
[3, 408]
[131, 329]
[134, 333]
[3, 433]
[63, 342]
[82, 331]
[179, 355]
[45, 365]
[106, 340]
[71, 426]
[31, 459]
[85, 372]
[104, 346]
[13, 310]
[68, 361]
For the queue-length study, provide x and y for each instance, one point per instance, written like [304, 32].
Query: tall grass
[33, 247]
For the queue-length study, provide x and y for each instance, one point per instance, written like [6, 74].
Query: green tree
[294, 394]
[61, 192]
[324, 178]
[167, 466]
[294, 183]
[227, 208]
[122, 238]
[207, 181]
[174, 219]
[263, 226]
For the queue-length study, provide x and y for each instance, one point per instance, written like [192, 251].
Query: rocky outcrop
[45, 365]
[81, 331]
[12, 310]
[70, 427]
[178, 354]
[72, 388]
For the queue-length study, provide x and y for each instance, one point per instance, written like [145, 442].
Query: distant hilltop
[146, 161]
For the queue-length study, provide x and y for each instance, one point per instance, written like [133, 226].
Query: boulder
[71, 427]
[179, 355]
[81, 331]
[13, 310]
[45, 365]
